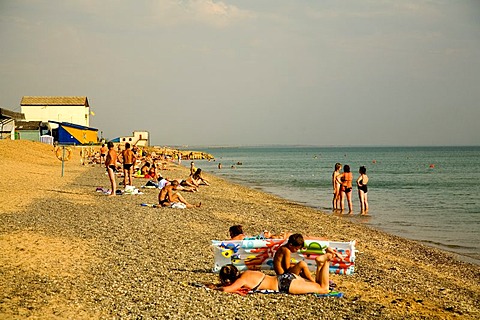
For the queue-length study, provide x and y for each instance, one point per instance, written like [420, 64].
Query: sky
[250, 72]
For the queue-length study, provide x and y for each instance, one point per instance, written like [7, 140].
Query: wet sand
[70, 252]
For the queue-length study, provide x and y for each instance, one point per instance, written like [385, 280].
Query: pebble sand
[68, 252]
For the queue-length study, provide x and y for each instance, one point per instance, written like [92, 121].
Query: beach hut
[70, 133]
[31, 130]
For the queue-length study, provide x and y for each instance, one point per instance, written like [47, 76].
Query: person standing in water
[362, 182]
[336, 187]
[345, 179]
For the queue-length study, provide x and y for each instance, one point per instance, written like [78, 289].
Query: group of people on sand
[129, 162]
[342, 188]
[293, 278]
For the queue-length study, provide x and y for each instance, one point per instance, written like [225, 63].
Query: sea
[427, 194]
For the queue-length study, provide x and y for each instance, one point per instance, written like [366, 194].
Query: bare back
[111, 159]
[128, 156]
[281, 260]
[253, 279]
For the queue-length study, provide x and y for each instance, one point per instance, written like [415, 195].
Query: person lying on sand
[234, 281]
[236, 232]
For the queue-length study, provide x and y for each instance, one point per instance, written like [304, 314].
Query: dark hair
[346, 168]
[338, 165]
[110, 144]
[235, 230]
[362, 170]
[296, 240]
[228, 274]
[127, 145]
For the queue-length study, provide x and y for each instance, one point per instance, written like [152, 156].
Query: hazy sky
[251, 72]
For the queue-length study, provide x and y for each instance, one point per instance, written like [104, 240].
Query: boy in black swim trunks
[110, 164]
[282, 262]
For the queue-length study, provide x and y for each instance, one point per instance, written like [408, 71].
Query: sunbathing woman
[199, 179]
[234, 281]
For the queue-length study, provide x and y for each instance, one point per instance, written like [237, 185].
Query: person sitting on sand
[169, 195]
[152, 174]
[234, 281]
[198, 178]
[189, 182]
[236, 232]
[144, 169]
[282, 261]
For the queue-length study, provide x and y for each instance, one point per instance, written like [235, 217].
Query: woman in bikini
[234, 281]
[362, 182]
[345, 179]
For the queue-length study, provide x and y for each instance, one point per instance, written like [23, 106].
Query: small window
[129, 139]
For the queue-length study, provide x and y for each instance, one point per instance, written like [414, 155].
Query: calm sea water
[429, 194]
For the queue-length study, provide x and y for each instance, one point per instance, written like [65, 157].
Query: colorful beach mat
[257, 254]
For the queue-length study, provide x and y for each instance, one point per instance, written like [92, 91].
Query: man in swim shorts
[110, 164]
[128, 159]
[169, 195]
[103, 153]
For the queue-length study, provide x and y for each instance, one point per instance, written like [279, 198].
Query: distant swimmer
[432, 166]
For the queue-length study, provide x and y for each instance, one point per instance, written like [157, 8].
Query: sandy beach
[69, 252]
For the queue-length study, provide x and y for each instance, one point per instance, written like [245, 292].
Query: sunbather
[234, 281]
[169, 195]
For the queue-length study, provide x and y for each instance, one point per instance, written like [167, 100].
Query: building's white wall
[73, 114]
[8, 129]
[139, 138]
[140, 135]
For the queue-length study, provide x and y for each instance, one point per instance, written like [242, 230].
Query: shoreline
[76, 253]
[328, 212]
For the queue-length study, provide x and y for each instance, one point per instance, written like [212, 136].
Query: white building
[7, 123]
[74, 110]
[139, 139]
